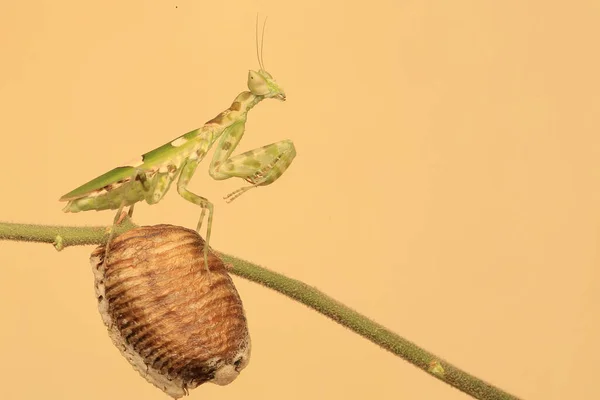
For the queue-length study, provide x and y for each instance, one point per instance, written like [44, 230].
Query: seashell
[178, 324]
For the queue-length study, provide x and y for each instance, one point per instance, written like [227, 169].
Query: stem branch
[63, 236]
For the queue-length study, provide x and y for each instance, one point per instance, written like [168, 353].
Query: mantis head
[261, 83]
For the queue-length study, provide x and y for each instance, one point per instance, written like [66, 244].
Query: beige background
[446, 185]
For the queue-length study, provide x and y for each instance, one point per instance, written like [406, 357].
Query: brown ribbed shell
[177, 324]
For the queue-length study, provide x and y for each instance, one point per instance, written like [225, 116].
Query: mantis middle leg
[186, 175]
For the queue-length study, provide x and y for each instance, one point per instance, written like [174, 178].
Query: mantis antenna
[262, 42]
[259, 54]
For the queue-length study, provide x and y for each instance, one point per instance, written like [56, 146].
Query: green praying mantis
[151, 176]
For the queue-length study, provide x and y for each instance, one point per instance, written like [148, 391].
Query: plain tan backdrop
[446, 185]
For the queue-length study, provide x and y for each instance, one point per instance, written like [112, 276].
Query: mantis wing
[115, 175]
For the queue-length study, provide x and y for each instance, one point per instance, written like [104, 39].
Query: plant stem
[64, 236]
[59, 236]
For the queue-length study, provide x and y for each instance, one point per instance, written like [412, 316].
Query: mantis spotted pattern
[150, 178]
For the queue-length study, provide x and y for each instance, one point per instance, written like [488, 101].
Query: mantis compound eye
[257, 84]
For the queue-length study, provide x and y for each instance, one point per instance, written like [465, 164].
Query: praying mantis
[149, 178]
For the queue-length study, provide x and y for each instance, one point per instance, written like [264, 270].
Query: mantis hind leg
[186, 175]
[259, 167]
[116, 221]
[150, 187]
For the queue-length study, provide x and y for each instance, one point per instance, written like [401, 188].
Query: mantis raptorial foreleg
[186, 175]
[260, 167]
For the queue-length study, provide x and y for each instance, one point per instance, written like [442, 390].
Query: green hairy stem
[65, 236]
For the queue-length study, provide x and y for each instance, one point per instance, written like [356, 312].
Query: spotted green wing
[150, 159]
[169, 150]
[112, 176]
